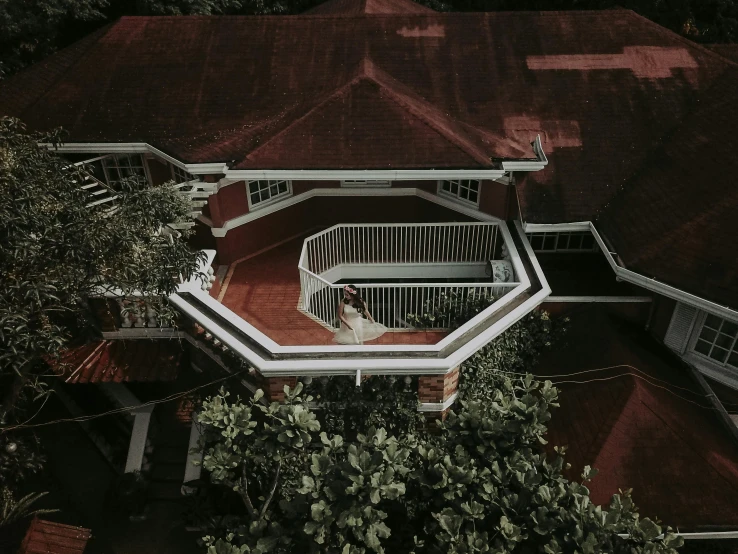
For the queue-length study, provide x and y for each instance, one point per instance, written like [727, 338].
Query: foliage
[450, 310]
[214, 7]
[57, 252]
[20, 456]
[30, 29]
[384, 402]
[487, 486]
[514, 351]
[484, 484]
[12, 510]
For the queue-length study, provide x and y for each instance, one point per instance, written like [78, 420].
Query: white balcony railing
[454, 255]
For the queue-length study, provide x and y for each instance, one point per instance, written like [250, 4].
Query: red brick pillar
[274, 387]
[437, 389]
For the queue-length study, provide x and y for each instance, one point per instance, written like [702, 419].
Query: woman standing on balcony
[354, 328]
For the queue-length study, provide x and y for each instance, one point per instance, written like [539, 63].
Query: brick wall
[438, 388]
[274, 387]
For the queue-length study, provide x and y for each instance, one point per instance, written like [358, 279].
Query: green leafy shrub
[451, 310]
[384, 402]
[514, 351]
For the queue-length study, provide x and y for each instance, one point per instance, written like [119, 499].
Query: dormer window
[465, 190]
[180, 175]
[263, 192]
[118, 167]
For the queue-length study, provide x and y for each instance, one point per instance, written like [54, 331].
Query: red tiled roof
[446, 90]
[668, 445]
[363, 7]
[121, 361]
[675, 219]
[47, 537]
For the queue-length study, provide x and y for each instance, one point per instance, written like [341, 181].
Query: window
[364, 183]
[717, 341]
[179, 175]
[263, 192]
[124, 166]
[463, 189]
[569, 241]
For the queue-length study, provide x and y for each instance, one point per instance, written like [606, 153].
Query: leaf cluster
[484, 484]
[56, 252]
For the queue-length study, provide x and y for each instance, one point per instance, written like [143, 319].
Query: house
[561, 160]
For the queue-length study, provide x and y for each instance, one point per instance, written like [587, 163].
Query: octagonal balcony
[279, 307]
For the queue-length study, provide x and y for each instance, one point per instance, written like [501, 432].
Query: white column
[192, 471]
[138, 439]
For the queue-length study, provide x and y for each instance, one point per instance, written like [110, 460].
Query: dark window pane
[718, 354]
[255, 199]
[253, 187]
[729, 328]
[473, 196]
[713, 321]
[724, 341]
[549, 242]
[587, 242]
[702, 347]
[733, 360]
[708, 334]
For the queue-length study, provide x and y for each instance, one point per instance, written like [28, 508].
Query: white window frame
[457, 197]
[106, 162]
[186, 174]
[272, 199]
[358, 183]
[557, 236]
[695, 336]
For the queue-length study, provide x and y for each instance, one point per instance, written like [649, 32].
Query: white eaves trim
[353, 191]
[659, 287]
[287, 174]
[364, 174]
[539, 163]
[556, 227]
[310, 174]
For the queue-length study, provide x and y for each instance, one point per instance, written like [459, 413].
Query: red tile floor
[265, 289]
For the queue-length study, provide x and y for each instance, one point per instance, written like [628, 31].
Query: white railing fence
[397, 244]
[402, 244]
[390, 304]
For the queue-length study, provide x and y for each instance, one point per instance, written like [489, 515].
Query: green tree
[484, 484]
[56, 252]
[30, 29]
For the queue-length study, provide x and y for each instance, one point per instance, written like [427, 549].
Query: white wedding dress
[363, 329]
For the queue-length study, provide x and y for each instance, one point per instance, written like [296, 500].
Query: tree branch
[245, 492]
[271, 494]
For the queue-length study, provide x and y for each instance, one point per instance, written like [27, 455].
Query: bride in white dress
[354, 328]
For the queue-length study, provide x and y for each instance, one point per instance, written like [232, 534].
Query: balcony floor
[265, 289]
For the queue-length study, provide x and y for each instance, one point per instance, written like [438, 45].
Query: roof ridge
[358, 75]
[467, 146]
[668, 32]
